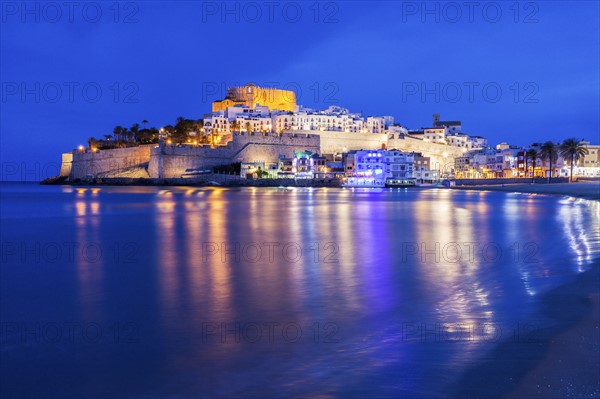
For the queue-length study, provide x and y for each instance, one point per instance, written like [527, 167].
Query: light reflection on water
[196, 264]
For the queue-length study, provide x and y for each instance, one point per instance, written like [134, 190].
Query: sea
[213, 292]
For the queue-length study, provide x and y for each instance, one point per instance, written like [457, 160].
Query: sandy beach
[565, 362]
[571, 366]
[588, 190]
[561, 360]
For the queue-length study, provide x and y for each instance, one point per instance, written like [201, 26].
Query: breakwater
[205, 180]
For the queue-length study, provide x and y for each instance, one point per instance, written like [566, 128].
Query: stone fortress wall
[66, 164]
[171, 161]
[84, 164]
[340, 142]
[441, 154]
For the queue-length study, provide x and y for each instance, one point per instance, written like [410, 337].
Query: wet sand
[571, 366]
[588, 190]
[562, 360]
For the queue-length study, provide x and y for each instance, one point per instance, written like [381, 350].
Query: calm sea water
[183, 292]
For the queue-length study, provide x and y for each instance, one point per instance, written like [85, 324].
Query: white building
[589, 165]
[478, 142]
[435, 135]
[460, 140]
[334, 119]
[380, 165]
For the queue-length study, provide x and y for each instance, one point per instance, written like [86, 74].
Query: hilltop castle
[254, 125]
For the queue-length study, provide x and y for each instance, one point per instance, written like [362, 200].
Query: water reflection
[575, 217]
[167, 255]
[450, 264]
[370, 261]
[90, 253]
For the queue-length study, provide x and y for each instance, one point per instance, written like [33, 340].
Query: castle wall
[171, 161]
[434, 151]
[66, 164]
[339, 142]
[93, 163]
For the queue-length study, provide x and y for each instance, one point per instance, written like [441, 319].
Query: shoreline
[213, 181]
[561, 363]
[586, 190]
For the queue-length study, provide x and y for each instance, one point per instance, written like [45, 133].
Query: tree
[124, 136]
[152, 136]
[248, 127]
[203, 139]
[118, 132]
[234, 126]
[169, 131]
[92, 142]
[549, 152]
[144, 122]
[182, 129]
[133, 131]
[525, 156]
[572, 149]
[198, 127]
[533, 155]
[260, 173]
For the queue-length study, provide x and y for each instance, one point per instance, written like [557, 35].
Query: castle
[263, 125]
[251, 96]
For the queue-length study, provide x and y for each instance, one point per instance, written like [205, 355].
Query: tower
[436, 119]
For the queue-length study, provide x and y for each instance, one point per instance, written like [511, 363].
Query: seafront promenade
[588, 189]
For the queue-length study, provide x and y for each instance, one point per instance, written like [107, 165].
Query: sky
[519, 72]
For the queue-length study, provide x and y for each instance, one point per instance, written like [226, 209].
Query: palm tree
[144, 122]
[234, 125]
[572, 149]
[124, 134]
[133, 131]
[120, 133]
[549, 152]
[525, 156]
[533, 155]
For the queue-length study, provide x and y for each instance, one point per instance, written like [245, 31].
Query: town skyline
[409, 65]
[258, 132]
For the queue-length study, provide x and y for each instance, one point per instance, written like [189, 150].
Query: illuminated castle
[251, 95]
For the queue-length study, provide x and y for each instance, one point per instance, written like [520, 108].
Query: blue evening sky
[517, 72]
